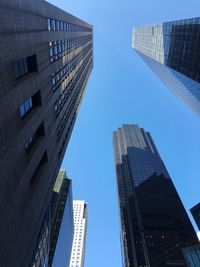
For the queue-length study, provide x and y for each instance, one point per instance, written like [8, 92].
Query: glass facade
[62, 230]
[42, 249]
[154, 223]
[192, 256]
[172, 50]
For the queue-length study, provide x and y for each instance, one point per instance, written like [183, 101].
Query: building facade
[62, 229]
[196, 214]
[46, 59]
[192, 256]
[80, 228]
[172, 51]
[154, 224]
[42, 248]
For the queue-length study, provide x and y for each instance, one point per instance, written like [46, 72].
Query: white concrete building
[80, 227]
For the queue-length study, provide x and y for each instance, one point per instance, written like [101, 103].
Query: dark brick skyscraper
[46, 56]
[154, 224]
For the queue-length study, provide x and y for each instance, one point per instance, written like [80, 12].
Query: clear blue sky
[122, 89]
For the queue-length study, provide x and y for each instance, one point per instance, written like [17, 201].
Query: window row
[66, 92]
[72, 104]
[66, 135]
[59, 25]
[60, 48]
[63, 72]
[25, 65]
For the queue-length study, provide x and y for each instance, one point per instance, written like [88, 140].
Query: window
[21, 67]
[61, 25]
[34, 138]
[29, 104]
[25, 65]
[57, 25]
[49, 24]
[53, 25]
[41, 163]
[26, 107]
[64, 26]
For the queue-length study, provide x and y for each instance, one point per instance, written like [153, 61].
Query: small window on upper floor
[25, 65]
[29, 104]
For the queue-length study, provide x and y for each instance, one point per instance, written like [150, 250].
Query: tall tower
[154, 223]
[56, 234]
[46, 59]
[172, 51]
[62, 222]
[80, 228]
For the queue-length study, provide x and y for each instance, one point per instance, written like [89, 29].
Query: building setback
[172, 51]
[80, 228]
[154, 224]
[46, 59]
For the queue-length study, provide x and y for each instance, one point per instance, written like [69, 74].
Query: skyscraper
[172, 51]
[62, 222]
[46, 59]
[57, 230]
[154, 223]
[80, 229]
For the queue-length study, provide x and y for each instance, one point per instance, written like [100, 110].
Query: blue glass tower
[172, 51]
[154, 224]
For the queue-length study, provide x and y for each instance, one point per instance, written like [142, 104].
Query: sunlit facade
[172, 51]
[80, 229]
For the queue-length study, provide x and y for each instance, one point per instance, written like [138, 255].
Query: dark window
[25, 65]
[29, 104]
[34, 138]
[36, 99]
[32, 63]
[41, 163]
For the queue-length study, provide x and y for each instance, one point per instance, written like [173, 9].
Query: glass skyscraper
[172, 51]
[154, 224]
[62, 230]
